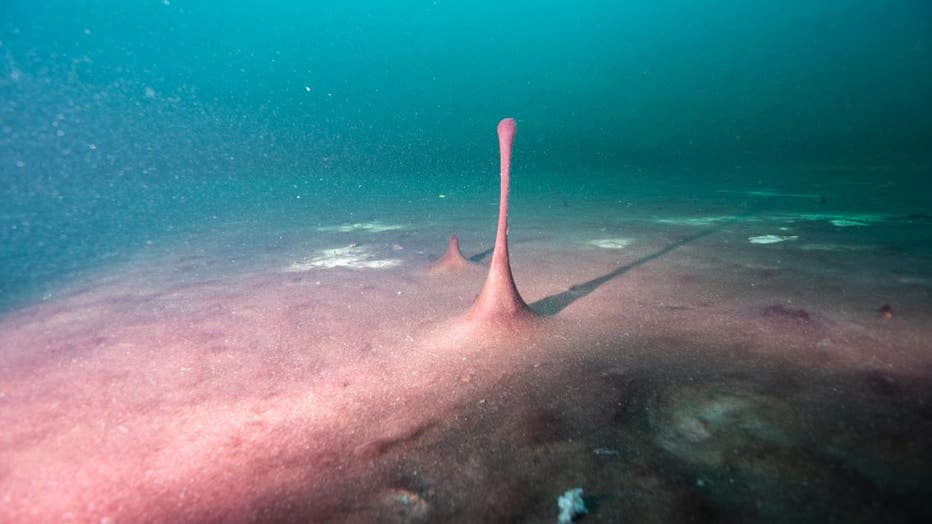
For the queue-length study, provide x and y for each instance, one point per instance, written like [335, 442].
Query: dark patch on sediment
[381, 445]
[632, 391]
[701, 439]
[780, 312]
[923, 404]
[883, 384]
[692, 507]
[537, 426]
[510, 500]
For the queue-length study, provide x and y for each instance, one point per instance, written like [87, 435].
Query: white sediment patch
[766, 193]
[847, 223]
[354, 257]
[369, 227]
[837, 247]
[836, 219]
[842, 218]
[770, 239]
[912, 281]
[610, 243]
[692, 221]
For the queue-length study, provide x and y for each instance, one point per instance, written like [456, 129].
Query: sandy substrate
[681, 373]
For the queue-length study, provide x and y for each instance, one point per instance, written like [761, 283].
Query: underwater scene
[424, 261]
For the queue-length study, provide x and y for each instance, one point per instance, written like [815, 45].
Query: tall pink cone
[499, 302]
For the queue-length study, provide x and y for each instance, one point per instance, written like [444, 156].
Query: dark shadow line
[553, 304]
[479, 256]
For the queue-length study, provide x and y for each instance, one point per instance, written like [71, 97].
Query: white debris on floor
[847, 223]
[611, 243]
[571, 506]
[374, 226]
[355, 257]
[770, 239]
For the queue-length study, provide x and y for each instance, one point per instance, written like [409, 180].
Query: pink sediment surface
[264, 395]
[178, 388]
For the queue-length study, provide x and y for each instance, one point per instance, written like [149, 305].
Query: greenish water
[122, 123]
